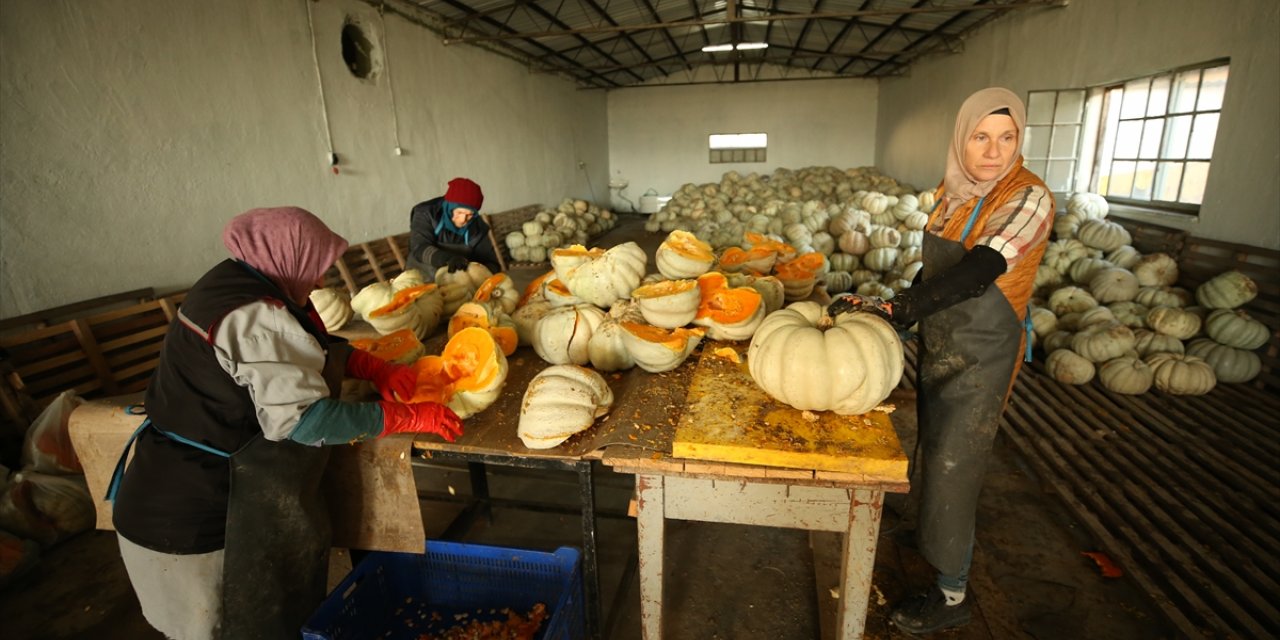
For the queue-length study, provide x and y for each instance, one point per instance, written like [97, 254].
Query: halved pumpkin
[467, 376]
[500, 290]
[683, 255]
[400, 347]
[757, 259]
[402, 299]
[534, 289]
[669, 303]
[729, 313]
[803, 266]
[490, 318]
[761, 241]
[656, 350]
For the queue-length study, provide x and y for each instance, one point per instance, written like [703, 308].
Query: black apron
[968, 354]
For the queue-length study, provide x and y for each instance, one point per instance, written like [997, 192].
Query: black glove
[457, 263]
[855, 303]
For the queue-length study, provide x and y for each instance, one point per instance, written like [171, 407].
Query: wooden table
[789, 483]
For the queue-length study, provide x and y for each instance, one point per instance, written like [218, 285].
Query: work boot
[928, 612]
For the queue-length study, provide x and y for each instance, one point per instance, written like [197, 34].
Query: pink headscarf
[291, 246]
[958, 186]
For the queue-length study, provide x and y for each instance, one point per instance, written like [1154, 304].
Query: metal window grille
[737, 147]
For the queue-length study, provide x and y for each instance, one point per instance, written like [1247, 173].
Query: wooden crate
[504, 222]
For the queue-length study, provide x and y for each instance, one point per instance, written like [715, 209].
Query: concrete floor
[723, 581]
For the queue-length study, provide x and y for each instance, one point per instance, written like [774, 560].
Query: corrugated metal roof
[616, 43]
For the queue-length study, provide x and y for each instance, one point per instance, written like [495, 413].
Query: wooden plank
[394, 247]
[772, 505]
[728, 418]
[47, 316]
[90, 346]
[1134, 494]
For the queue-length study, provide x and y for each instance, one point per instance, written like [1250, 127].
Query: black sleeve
[969, 278]
[424, 246]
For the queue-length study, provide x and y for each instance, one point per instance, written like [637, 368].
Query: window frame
[737, 154]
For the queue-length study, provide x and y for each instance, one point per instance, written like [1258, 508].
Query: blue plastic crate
[401, 596]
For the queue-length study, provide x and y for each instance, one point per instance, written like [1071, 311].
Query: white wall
[1091, 42]
[658, 135]
[130, 132]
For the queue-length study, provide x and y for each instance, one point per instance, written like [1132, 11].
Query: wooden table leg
[650, 528]
[859, 560]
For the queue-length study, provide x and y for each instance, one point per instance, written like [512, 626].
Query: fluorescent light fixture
[745, 46]
[714, 48]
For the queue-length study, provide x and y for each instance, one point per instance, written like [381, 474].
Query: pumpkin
[668, 304]
[657, 350]
[1083, 270]
[536, 289]
[499, 289]
[526, 319]
[876, 290]
[1162, 297]
[490, 318]
[916, 220]
[1235, 328]
[561, 401]
[400, 347]
[1089, 206]
[854, 242]
[1229, 364]
[1047, 278]
[600, 277]
[1104, 235]
[562, 335]
[1172, 321]
[1060, 339]
[1124, 256]
[1156, 270]
[758, 260]
[1227, 291]
[474, 275]
[408, 278]
[837, 282]
[728, 313]
[843, 262]
[1071, 299]
[467, 376]
[402, 309]
[333, 305]
[683, 255]
[1126, 376]
[798, 276]
[1069, 367]
[372, 297]
[1181, 374]
[1061, 253]
[881, 258]
[1102, 342]
[885, 237]
[1113, 285]
[1094, 316]
[1043, 322]
[927, 200]
[1129, 313]
[770, 288]
[1066, 225]
[1149, 342]
[784, 251]
[606, 349]
[803, 358]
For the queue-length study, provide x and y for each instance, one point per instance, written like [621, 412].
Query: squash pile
[572, 222]
[1103, 309]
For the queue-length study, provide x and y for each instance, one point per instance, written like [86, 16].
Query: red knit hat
[466, 193]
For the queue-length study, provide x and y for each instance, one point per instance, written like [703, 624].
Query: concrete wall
[658, 135]
[130, 132]
[1093, 42]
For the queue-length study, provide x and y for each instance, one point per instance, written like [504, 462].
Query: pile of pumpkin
[572, 222]
[1103, 309]
[867, 225]
[600, 308]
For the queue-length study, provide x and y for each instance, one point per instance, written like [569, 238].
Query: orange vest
[1017, 283]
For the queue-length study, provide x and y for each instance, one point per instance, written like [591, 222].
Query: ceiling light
[744, 46]
[713, 48]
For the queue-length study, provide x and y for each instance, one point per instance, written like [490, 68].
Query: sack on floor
[47, 447]
[46, 508]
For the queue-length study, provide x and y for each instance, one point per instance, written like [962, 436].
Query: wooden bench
[1182, 492]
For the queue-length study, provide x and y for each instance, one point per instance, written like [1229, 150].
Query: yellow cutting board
[728, 418]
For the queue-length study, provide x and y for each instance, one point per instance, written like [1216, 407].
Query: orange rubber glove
[393, 381]
[425, 417]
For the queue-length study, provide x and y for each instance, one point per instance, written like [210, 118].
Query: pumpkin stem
[825, 322]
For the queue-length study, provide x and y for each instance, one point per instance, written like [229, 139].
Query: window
[1146, 142]
[738, 147]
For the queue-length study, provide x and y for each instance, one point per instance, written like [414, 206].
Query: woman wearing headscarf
[449, 232]
[221, 524]
[990, 226]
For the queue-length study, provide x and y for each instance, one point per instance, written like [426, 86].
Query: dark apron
[968, 353]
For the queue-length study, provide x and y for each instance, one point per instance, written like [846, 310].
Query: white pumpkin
[1069, 367]
[1129, 313]
[1235, 328]
[1149, 342]
[1043, 322]
[1060, 339]
[854, 242]
[561, 401]
[1124, 257]
[500, 291]
[1127, 376]
[804, 359]
[1182, 374]
[1083, 270]
[526, 318]
[1229, 364]
[1102, 342]
[1089, 206]
[668, 304]
[657, 350]
[1227, 291]
[1161, 297]
[844, 262]
[1172, 321]
[838, 282]
[600, 277]
[1071, 299]
[607, 350]
[885, 237]
[881, 258]
[1094, 316]
[333, 305]
[1113, 285]
[1066, 225]
[1061, 253]
[1048, 278]
[1156, 270]
[876, 289]
[564, 333]
[1104, 235]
